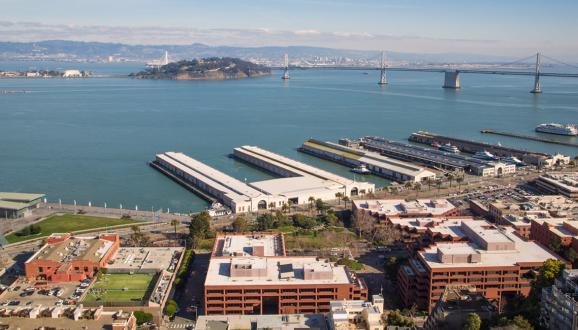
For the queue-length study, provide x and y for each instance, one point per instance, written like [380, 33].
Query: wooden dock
[529, 137]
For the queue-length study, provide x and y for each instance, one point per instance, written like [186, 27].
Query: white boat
[559, 129]
[513, 160]
[217, 209]
[361, 169]
[448, 147]
[484, 155]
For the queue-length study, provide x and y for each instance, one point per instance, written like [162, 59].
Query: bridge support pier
[537, 88]
[452, 80]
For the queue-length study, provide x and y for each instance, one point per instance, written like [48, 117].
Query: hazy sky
[508, 27]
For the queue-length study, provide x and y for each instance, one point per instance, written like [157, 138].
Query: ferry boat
[484, 155]
[559, 129]
[449, 148]
[361, 169]
[217, 209]
[435, 144]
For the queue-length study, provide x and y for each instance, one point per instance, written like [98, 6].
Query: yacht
[484, 155]
[361, 169]
[449, 148]
[513, 160]
[218, 209]
[559, 129]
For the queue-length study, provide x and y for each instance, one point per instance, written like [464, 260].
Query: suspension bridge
[452, 75]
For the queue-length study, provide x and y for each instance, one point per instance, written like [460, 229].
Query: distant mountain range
[101, 52]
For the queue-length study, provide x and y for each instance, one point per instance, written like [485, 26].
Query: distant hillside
[214, 68]
[100, 51]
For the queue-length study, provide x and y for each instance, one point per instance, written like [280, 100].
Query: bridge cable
[560, 62]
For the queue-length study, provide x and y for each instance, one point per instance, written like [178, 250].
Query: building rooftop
[257, 245]
[251, 322]
[69, 249]
[295, 185]
[568, 181]
[19, 197]
[442, 226]
[403, 208]
[275, 271]
[469, 254]
[143, 258]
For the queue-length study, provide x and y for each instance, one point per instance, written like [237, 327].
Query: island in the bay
[213, 68]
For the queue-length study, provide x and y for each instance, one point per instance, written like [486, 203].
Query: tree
[282, 220]
[339, 196]
[417, 188]
[408, 185]
[331, 219]
[142, 317]
[555, 244]
[439, 184]
[175, 223]
[460, 180]
[345, 200]
[311, 200]
[304, 221]
[385, 234]
[240, 224]
[285, 207]
[451, 178]
[396, 319]
[171, 308]
[265, 222]
[272, 206]
[320, 206]
[522, 323]
[429, 181]
[200, 227]
[473, 322]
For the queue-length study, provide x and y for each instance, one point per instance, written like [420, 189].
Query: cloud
[159, 35]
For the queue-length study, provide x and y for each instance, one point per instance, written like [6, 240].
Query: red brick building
[250, 274]
[497, 261]
[65, 258]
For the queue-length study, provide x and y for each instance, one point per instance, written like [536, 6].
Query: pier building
[534, 158]
[437, 159]
[378, 164]
[297, 183]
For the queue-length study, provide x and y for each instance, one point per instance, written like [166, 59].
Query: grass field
[121, 287]
[68, 223]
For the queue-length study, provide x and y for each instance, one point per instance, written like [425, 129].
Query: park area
[121, 287]
[65, 223]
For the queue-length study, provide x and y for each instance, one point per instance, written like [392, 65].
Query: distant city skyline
[493, 27]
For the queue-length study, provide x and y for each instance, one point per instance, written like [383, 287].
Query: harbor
[297, 182]
[470, 146]
[437, 159]
[377, 164]
[528, 137]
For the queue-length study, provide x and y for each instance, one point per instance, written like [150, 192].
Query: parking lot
[22, 293]
[492, 193]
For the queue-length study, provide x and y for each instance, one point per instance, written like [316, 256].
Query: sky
[497, 27]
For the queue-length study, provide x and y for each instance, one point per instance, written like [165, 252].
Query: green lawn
[121, 287]
[69, 223]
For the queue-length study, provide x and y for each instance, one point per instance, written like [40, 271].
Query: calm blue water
[91, 139]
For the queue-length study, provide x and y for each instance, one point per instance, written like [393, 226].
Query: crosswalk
[180, 325]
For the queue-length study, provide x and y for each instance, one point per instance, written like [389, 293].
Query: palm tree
[439, 184]
[417, 188]
[311, 200]
[451, 178]
[272, 206]
[429, 181]
[285, 207]
[345, 200]
[460, 180]
[408, 185]
[175, 223]
[338, 196]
